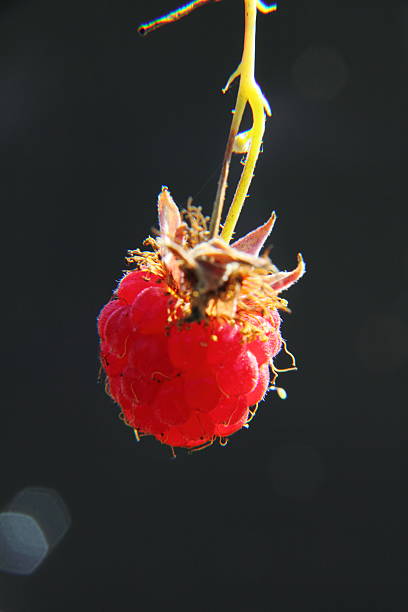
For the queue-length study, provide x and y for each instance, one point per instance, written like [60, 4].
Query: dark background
[307, 509]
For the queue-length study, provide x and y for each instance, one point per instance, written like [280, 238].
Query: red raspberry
[184, 383]
[188, 338]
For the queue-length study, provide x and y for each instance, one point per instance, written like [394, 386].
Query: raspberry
[187, 350]
[182, 382]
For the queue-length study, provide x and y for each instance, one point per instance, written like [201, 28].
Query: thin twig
[185, 10]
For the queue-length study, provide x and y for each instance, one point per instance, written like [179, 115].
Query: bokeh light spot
[47, 508]
[34, 522]
[22, 543]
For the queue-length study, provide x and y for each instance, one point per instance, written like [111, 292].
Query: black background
[307, 509]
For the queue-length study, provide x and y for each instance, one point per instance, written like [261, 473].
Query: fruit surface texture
[183, 382]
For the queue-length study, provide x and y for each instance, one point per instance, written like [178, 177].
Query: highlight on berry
[188, 340]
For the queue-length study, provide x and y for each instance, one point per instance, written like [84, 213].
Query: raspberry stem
[249, 92]
[248, 142]
[183, 11]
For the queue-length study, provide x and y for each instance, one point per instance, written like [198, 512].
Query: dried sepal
[209, 278]
[171, 227]
[280, 281]
[253, 242]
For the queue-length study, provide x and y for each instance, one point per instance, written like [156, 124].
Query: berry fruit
[187, 351]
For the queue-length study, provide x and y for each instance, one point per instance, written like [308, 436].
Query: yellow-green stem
[248, 92]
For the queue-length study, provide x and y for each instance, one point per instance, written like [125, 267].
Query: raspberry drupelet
[188, 339]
